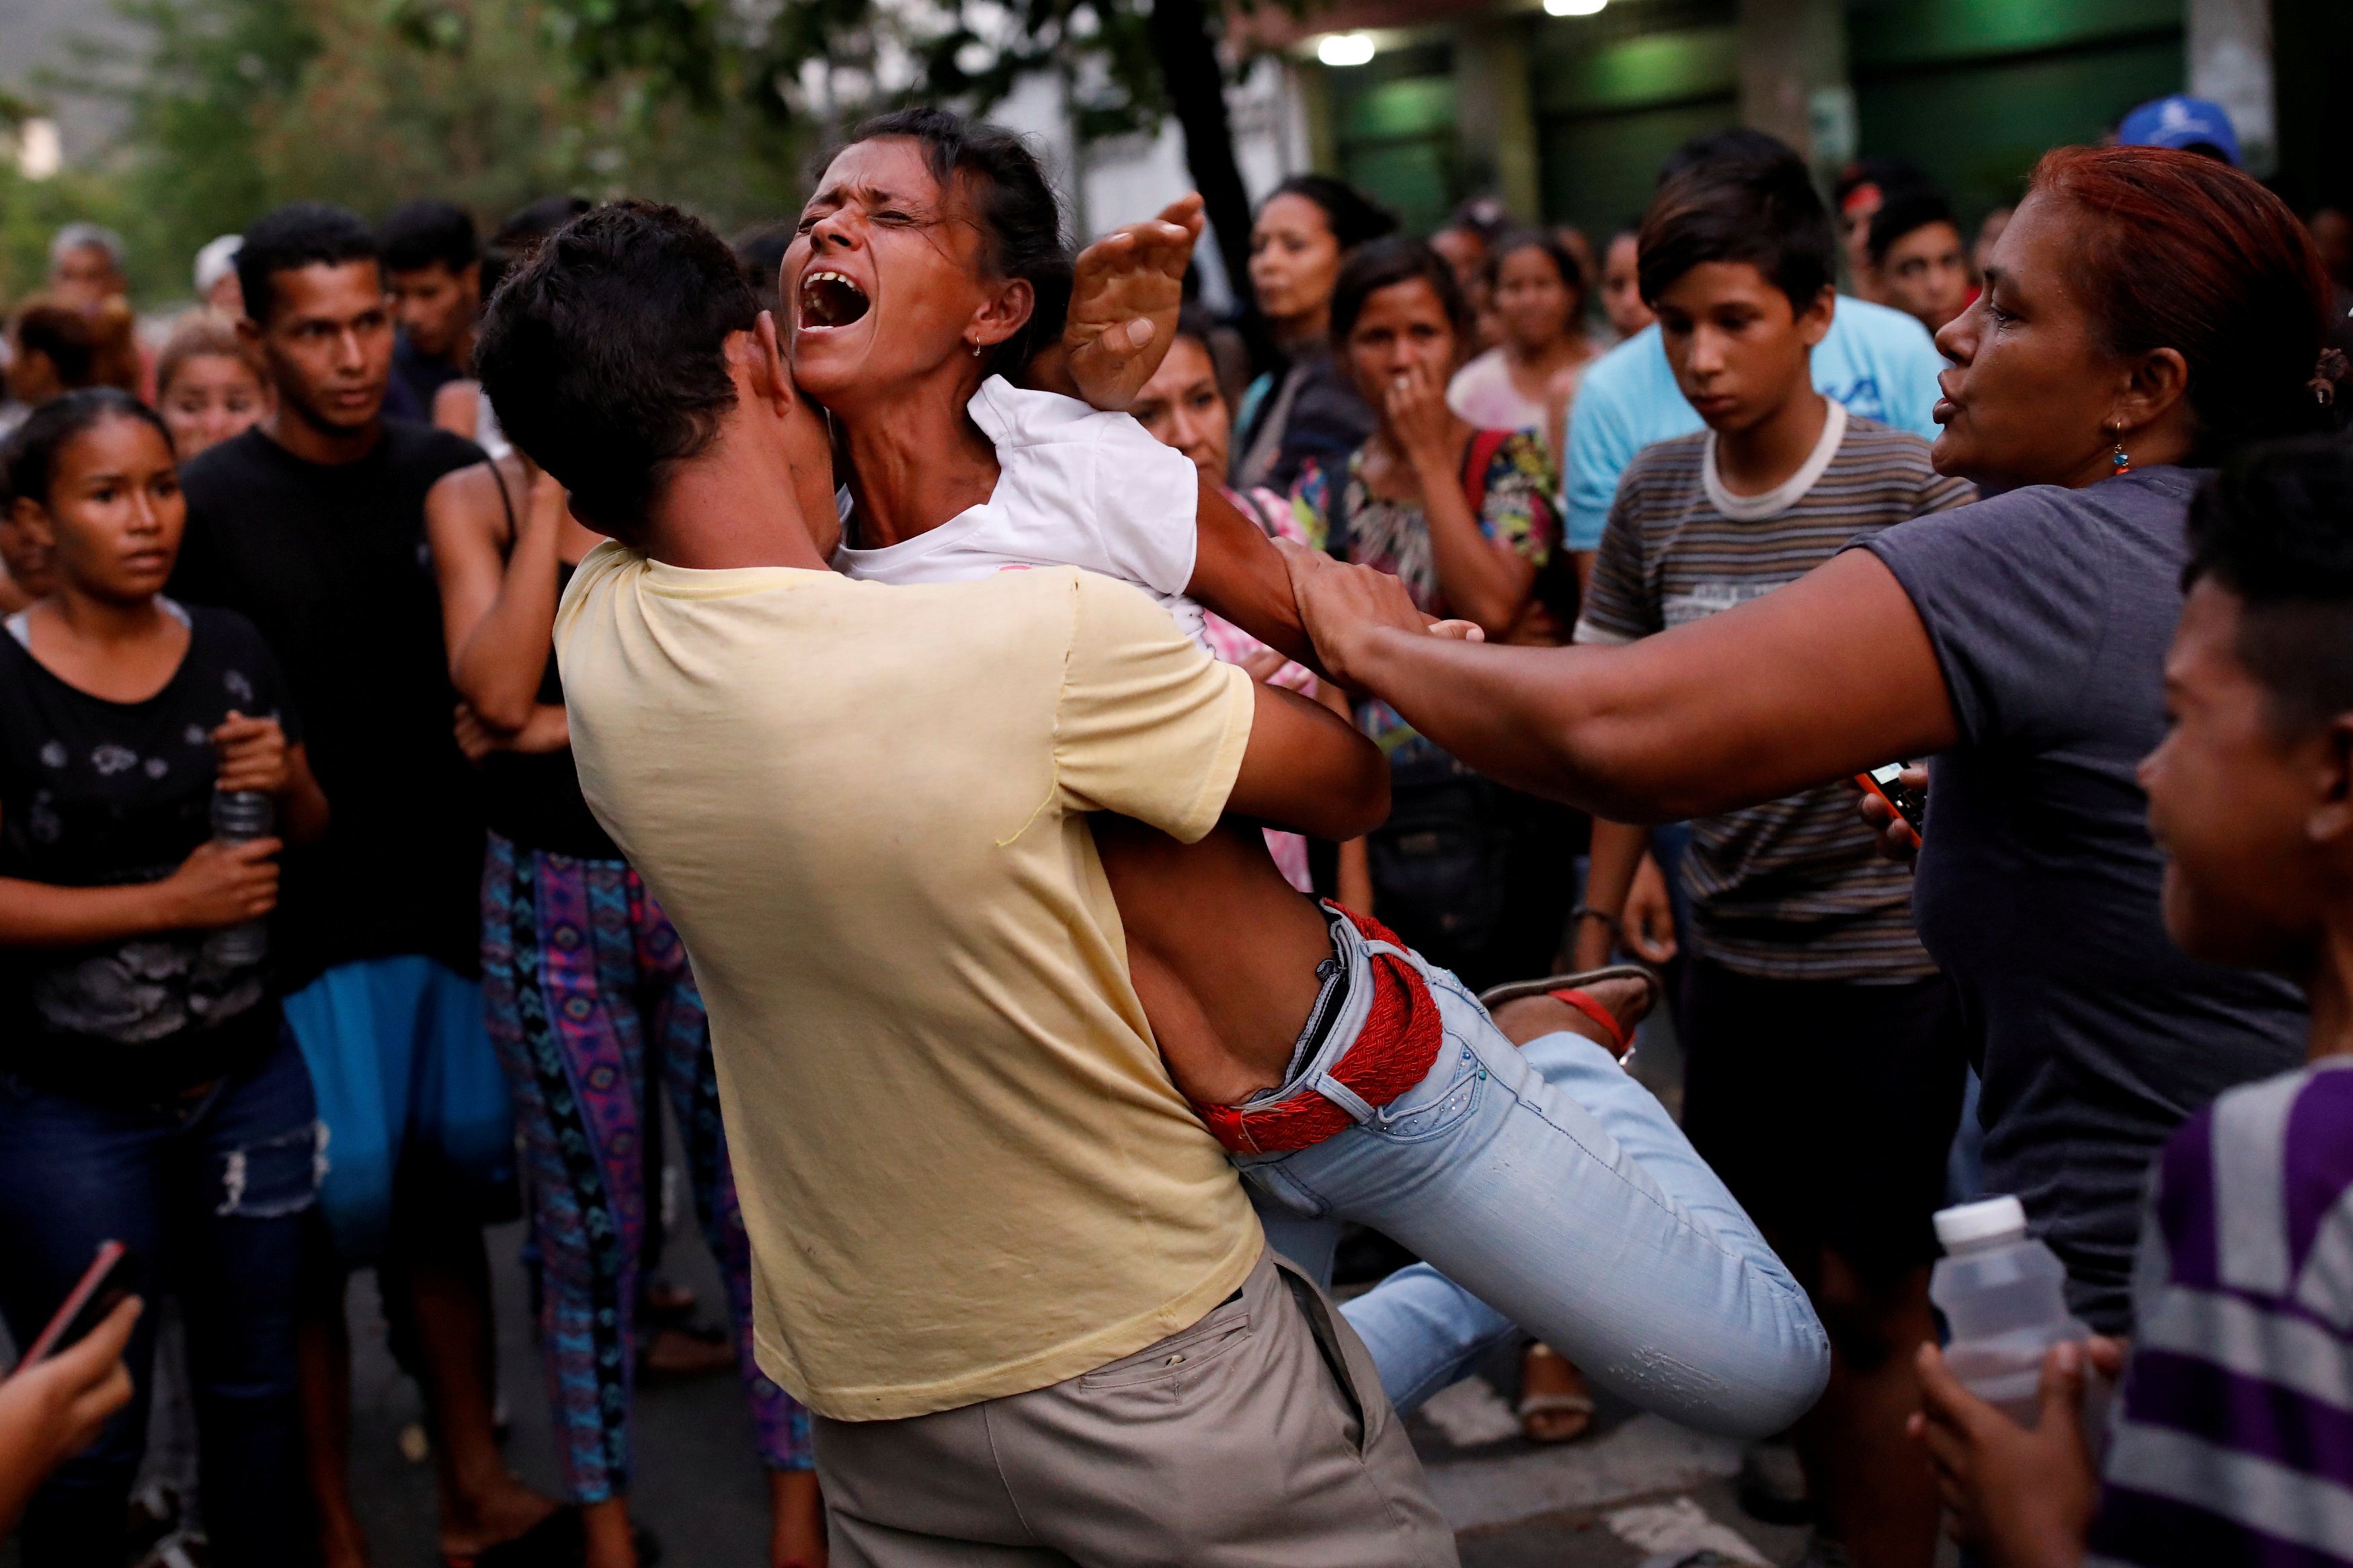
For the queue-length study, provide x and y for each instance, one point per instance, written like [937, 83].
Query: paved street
[1636, 1490]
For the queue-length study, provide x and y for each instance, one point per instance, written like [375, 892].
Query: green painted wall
[1609, 107]
[1894, 32]
[1977, 131]
[1974, 90]
[1393, 124]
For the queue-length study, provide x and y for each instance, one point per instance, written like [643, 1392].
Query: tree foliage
[239, 105]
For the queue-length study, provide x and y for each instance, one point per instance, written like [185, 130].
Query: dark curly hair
[1017, 211]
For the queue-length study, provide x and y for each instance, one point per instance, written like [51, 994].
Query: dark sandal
[1570, 988]
[559, 1541]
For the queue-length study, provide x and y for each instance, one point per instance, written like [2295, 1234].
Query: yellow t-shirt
[964, 1169]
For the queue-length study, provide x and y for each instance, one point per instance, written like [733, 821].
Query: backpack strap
[1477, 459]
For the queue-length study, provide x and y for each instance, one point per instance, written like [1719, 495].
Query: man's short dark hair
[299, 235]
[415, 235]
[1766, 213]
[1905, 212]
[1740, 147]
[605, 353]
[2275, 527]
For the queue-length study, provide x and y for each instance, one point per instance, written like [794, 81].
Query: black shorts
[1827, 1107]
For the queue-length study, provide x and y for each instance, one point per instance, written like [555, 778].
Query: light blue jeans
[1550, 1192]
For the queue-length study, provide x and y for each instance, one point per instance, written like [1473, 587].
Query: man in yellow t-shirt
[994, 1250]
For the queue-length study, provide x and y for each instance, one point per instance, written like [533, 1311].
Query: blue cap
[2181, 122]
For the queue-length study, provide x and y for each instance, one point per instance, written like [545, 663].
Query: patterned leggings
[583, 976]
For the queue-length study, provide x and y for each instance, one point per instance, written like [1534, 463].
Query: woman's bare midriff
[1222, 952]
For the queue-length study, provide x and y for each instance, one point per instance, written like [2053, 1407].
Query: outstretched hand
[1342, 605]
[1125, 293]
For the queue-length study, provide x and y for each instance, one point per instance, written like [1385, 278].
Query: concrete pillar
[2230, 62]
[1494, 125]
[1793, 81]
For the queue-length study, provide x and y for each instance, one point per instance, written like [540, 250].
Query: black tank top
[535, 799]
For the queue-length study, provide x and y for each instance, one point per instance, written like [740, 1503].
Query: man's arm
[1814, 682]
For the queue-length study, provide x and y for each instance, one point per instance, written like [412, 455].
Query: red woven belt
[1400, 1038]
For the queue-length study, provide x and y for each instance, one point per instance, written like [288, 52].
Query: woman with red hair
[2144, 312]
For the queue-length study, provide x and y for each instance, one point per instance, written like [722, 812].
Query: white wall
[1132, 178]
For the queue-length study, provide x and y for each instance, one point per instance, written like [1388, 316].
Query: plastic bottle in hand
[239, 816]
[2003, 1295]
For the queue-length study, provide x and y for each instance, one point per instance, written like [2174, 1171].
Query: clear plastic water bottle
[2003, 1295]
[239, 816]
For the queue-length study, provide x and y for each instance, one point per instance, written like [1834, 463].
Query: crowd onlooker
[153, 1096]
[1917, 258]
[2241, 1305]
[86, 263]
[209, 384]
[1308, 406]
[1823, 1051]
[311, 524]
[1621, 288]
[1476, 877]
[1536, 291]
[435, 273]
[1877, 362]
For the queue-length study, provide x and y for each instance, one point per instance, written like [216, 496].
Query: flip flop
[1570, 988]
[1553, 1403]
[559, 1541]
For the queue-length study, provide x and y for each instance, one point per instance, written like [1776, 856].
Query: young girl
[148, 1091]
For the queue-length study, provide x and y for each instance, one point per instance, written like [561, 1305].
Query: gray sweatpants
[1258, 1437]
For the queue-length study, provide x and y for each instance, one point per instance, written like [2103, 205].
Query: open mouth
[830, 300]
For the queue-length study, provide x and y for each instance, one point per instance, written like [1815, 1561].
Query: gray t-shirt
[2051, 611]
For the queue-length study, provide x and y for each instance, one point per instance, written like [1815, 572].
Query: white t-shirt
[1075, 487]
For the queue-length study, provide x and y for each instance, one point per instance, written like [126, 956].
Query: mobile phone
[1886, 781]
[100, 1290]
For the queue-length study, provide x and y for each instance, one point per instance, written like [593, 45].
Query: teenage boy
[1824, 1062]
[312, 526]
[995, 1252]
[2225, 1446]
[1916, 254]
[1876, 361]
[434, 269]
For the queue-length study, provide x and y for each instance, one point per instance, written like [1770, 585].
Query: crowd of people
[465, 696]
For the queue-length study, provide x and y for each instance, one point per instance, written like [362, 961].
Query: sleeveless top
[533, 798]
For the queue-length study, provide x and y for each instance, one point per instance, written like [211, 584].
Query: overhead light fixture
[1573, 7]
[1356, 48]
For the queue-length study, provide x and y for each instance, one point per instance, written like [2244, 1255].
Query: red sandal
[1570, 988]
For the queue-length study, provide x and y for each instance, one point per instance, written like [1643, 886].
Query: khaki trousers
[1258, 1437]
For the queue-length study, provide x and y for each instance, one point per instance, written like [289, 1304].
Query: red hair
[2185, 252]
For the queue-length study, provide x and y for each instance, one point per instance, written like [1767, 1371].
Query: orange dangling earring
[2122, 458]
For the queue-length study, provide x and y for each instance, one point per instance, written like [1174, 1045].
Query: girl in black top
[147, 1093]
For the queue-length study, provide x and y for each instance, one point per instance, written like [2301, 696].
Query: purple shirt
[2234, 1440]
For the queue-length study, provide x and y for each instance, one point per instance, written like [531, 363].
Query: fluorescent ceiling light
[1573, 7]
[1356, 48]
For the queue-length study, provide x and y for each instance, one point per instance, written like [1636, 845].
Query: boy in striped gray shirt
[1824, 1063]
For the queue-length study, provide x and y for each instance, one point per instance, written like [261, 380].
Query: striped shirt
[2233, 1442]
[1794, 889]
